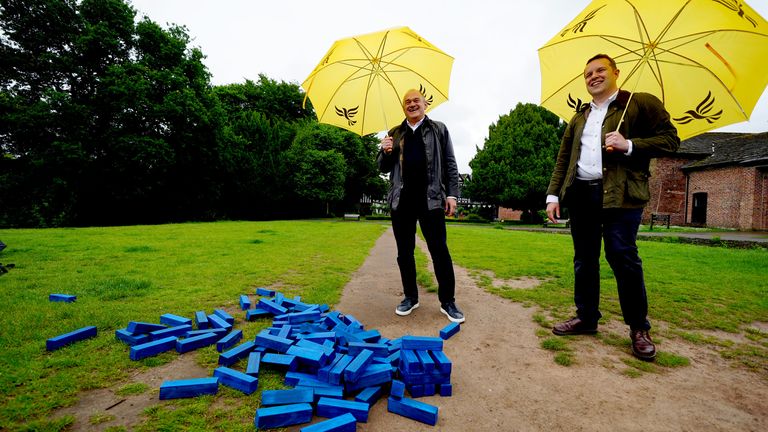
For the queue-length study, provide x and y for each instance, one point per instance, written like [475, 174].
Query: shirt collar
[416, 126]
[607, 102]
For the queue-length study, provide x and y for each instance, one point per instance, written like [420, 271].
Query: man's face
[414, 106]
[600, 78]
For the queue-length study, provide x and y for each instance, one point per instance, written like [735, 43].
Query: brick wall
[731, 196]
[667, 187]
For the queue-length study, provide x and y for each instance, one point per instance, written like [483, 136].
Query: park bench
[351, 216]
[558, 222]
[662, 219]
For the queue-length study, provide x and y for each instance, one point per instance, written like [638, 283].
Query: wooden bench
[663, 219]
[565, 222]
[351, 216]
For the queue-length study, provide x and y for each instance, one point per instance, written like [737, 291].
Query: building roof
[746, 149]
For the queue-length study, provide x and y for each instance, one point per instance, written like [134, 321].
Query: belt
[597, 182]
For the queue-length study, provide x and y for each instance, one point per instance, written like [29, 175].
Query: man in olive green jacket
[601, 176]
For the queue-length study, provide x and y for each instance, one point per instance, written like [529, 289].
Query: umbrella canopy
[360, 82]
[705, 59]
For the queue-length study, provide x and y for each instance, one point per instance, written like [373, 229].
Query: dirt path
[504, 381]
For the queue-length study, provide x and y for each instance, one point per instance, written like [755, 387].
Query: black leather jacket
[442, 171]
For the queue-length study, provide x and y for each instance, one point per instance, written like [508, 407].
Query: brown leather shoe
[642, 345]
[574, 326]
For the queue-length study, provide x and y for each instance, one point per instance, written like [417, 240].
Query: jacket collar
[620, 102]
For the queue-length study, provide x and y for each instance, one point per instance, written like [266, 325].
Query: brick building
[715, 179]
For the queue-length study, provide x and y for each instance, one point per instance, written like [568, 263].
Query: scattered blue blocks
[221, 313]
[265, 292]
[170, 331]
[189, 388]
[64, 298]
[369, 395]
[283, 415]
[59, 341]
[254, 363]
[253, 314]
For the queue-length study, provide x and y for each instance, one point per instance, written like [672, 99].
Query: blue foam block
[413, 409]
[273, 342]
[130, 338]
[179, 330]
[343, 423]
[265, 292]
[442, 363]
[219, 322]
[308, 356]
[427, 363]
[221, 313]
[272, 307]
[334, 376]
[290, 396]
[174, 320]
[330, 407]
[150, 349]
[253, 314]
[283, 415]
[229, 340]
[143, 327]
[335, 392]
[241, 351]
[195, 342]
[201, 320]
[375, 374]
[189, 388]
[245, 302]
[254, 363]
[422, 343]
[59, 341]
[358, 365]
[397, 390]
[369, 395]
[65, 298]
[280, 361]
[446, 389]
[379, 350]
[219, 332]
[449, 330]
[236, 379]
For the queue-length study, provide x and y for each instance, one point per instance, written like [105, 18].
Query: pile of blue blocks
[335, 367]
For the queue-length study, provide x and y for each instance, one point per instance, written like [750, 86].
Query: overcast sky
[494, 43]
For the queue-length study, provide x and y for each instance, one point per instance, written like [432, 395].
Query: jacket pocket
[637, 187]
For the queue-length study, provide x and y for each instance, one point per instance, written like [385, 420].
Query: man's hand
[553, 211]
[615, 142]
[386, 144]
[450, 206]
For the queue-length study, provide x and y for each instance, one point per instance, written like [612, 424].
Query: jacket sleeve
[385, 161]
[660, 135]
[450, 168]
[563, 159]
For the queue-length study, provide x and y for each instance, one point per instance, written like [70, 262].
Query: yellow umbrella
[360, 82]
[705, 59]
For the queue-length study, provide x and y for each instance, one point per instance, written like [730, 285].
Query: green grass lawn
[138, 273]
[693, 289]
[123, 274]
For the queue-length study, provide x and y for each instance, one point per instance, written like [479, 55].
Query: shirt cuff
[552, 199]
[629, 149]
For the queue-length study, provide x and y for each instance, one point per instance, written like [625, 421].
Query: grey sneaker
[406, 306]
[452, 312]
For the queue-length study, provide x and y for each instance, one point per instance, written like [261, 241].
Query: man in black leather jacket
[418, 155]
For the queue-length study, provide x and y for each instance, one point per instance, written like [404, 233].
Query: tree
[514, 166]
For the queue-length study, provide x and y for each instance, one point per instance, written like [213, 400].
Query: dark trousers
[617, 228]
[432, 223]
